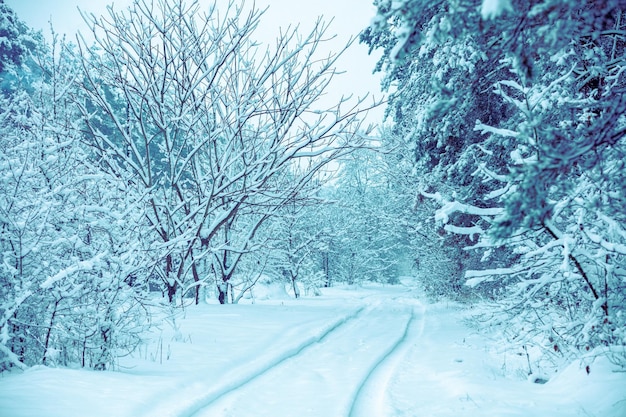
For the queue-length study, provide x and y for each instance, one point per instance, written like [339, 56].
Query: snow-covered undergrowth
[354, 351]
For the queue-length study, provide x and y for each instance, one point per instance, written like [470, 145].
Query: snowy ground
[376, 351]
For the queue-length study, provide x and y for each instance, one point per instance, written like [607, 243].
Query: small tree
[293, 238]
[371, 242]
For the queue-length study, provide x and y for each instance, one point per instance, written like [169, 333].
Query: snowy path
[327, 377]
[204, 391]
[355, 352]
[372, 396]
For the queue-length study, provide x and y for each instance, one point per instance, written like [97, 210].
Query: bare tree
[203, 122]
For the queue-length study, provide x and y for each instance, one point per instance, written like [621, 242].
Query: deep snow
[372, 351]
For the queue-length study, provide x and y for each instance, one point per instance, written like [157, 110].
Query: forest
[175, 159]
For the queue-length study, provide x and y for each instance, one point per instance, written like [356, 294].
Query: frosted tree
[17, 40]
[435, 257]
[294, 239]
[536, 91]
[439, 87]
[199, 119]
[65, 297]
[370, 243]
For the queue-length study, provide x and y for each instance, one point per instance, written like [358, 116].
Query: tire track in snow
[370, 397]
[177, 406]
[336, 369]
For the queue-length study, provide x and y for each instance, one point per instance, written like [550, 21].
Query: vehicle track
[199, 394]
[338, 366]
[370, 398]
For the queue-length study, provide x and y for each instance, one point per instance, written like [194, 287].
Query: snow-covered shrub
[64, 262]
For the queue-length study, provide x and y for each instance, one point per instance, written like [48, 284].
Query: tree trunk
[47, 341]
[171, 288]
[296, 290]
[325, 266]
[222, 290]
[171, 291]
[196, 280]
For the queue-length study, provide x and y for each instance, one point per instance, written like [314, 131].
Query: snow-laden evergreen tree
[436, 258]
[515, 113]
[438, 86]
[17, 41]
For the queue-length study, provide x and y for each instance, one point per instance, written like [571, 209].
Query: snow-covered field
[372, 351]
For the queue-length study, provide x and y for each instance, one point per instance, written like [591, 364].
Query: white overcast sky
[349, 18]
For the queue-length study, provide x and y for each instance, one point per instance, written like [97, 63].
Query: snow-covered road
[335, 375]
[355, 352]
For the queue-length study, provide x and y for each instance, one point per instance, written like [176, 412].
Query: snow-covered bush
[64, 267]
